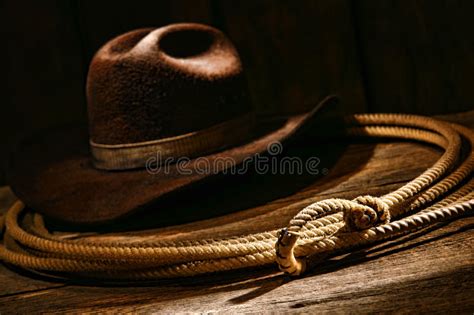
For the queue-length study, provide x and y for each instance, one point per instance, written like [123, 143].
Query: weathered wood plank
[42, 71]
[430, 272]
[11, 281]
[417, 56]
[295, 52]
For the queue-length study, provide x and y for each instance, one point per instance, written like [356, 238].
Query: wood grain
[42, 70]
[295, 52]
[396, 277]
[416, 56]
[409, 57]
[429, 271]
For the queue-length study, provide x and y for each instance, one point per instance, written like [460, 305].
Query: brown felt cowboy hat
[154, 96]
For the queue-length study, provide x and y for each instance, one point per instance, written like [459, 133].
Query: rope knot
[375, 212]
[359, 214]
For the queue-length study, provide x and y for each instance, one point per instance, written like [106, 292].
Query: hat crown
[152, 84]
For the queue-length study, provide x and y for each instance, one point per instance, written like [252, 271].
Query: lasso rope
[442, 192]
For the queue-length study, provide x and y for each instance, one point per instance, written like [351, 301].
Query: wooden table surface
[430, 271]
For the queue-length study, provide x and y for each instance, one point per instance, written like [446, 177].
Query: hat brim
[54, 174]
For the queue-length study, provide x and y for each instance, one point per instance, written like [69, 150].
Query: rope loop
[361, 213]
[444, 191]
[376, 212]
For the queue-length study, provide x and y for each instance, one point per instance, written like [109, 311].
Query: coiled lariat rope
[442, 192]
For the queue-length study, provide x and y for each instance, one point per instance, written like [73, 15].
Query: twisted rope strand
[322, 227]
[380, 131]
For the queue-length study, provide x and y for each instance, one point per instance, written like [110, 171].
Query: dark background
[381, 56]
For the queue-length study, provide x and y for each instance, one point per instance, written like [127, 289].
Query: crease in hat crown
[137, 98]
[175, 91]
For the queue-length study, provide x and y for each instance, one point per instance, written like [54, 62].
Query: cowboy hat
[160, 102]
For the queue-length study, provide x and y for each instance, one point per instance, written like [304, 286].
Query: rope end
[285, 258]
